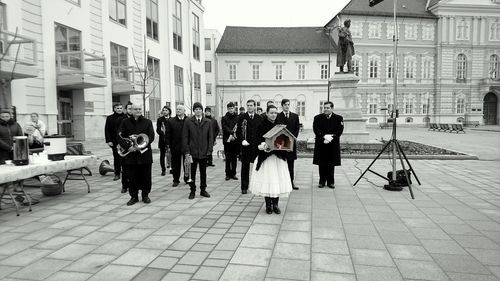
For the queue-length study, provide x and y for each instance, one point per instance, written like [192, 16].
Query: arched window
[461, 67]
[460, 120]
[301, 105]
[373, 120]
[356, 65]
[409, 120]
[426, 120]
[460, 106]
[493, 71]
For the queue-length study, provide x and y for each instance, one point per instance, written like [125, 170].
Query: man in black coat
[215, 132]
[197, 144]
[246, 132]
[328, 128]
[161, 129]
[138, 160]
[111, 134]
[231, 145]
[291, 120]
[8, 129]
[175, 126]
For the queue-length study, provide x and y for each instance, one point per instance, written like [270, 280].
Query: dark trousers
[202, 162]
[117, 160]
[163, 153]
[140, 178]
[177, 163]
[326, 174]
[125, 176]
[210, 160]
[231, 159]
[291, 168]
[245, 174]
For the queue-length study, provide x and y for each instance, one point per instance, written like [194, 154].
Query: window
[460, 106]
[461, 67]
[355, 66]
[119, 61]
[209, 88]
[196, 37]
[495, 29]
[409, 120]
[390, 67]
[301, 108]
[197, 87]
[373, 120]
[425, 108]
[410, 68]
[279, 72]
[373, 108]
[494, 67]
[208, 66]
[67, 40]
[408, 106]
[411, 32]
[255, 72]
[301, 71]
[177, 26]
[390, 30]
[321, 105]
[324, 71]
[462, 30]
[118, 11]
[232, 72]
[3, 17]
[374, 30]
[208, 44]
[154, 82]
[357, 29]
[373, 67]
[179, 84]
[152, 19]
[428, 32]
[427, 65]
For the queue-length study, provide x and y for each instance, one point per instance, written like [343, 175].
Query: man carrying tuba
[140, 157]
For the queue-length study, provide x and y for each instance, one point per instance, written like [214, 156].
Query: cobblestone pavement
[451, 231]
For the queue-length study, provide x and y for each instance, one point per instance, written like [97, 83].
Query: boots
[269, 209]
[275, 205]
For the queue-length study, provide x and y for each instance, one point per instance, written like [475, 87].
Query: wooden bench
[457, 128]
[444, 127]
[433, 126]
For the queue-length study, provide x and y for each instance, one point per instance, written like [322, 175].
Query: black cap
[231, 104]
[197, 105]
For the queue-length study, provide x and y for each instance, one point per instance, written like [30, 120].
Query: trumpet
[140, 142]
[244, 129]
[187, 168]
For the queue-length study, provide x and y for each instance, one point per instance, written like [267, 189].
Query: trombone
[140, 142]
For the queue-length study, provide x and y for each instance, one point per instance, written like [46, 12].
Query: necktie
[251, 116]
[286, 115]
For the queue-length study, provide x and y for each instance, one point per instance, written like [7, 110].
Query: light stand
[394, 184]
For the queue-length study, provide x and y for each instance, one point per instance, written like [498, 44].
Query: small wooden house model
[279, 138]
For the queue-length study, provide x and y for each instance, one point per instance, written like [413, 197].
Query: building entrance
[65, 114]
[490, 109]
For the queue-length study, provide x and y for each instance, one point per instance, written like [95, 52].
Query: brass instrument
[188, 160]
[233, 137]
[105, 167]
[140, 142]
[244, 129]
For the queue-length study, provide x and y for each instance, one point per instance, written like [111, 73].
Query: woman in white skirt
[270, 177]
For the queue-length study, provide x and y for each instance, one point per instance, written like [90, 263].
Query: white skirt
[272, 179]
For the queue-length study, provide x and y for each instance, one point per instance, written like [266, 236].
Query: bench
[444, 127]
[457, 128]
[471, 123]
[433, 126]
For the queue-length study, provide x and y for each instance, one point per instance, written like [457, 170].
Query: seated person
[35, 138]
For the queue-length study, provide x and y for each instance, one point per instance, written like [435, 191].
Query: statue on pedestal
[346, 47]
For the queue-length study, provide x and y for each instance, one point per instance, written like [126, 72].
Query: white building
[211, 41]
[91, 53]
[274, 63]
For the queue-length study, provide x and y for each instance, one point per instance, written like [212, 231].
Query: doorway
[65, 114]
[490, 107]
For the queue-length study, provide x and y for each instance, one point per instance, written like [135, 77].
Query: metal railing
[80, 62]
[130, 74]
[17, 48]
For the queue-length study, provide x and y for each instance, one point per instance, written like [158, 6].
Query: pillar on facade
[343, 88]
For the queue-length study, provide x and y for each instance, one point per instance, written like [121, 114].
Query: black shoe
[176, 183]
[204, 193]
[332, 186]
[275, 205]
[171, 172]
[295, 187]
[191, 195]
[146, 199]
[211, 165]
[132, 201]
[244, 191]
[228, 178]
[234, 178]
[117, 177]
[321, 185]
[163, 173]
[269, 209]
[124, 190]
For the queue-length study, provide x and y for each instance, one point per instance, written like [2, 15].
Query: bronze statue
[346, 47]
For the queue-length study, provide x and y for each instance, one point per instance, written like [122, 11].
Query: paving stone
[203, 247]
[164, 262]
[328, 233]
[183, 268]
[91, 263]
[443, 247]
[332, 263]
[208, 273]
[7, 270]
[182, 244]
[157, 242]
[16, 246]
[365, 242]
[210, 238]
[81, 230]
[486, 257]
[97, 238]
[173, 253]
[409, 252]
[216, 262]
[136, 234]
[477, 242]
[371, 257]
[292, 251]
[425, 270]
[193, 258]
[228, 244]
[114, 272]
[221, 254]
[289, 269]
[258, 241]
[72, 252]
[252, 256]
[115, 248]
[329, 276]
[138, 257]
[460, 263]
[330, 246]
[243, 273]
[41, 269]
[65, 276]
[151, 274]
[376, 273]
[294, 237]
[467, 277]
[25, 257]
[43, 234]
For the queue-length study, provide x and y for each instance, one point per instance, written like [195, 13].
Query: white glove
[230, 138]
[245, 143]
[262, 146]
[328, 138]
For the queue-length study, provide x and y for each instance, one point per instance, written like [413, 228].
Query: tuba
[105, 167]
[140, 142]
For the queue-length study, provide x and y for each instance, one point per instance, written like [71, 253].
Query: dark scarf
[9, 122]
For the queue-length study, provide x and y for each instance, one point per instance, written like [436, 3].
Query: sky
[277, 13]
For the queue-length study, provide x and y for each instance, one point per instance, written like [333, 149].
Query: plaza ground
[451, 231]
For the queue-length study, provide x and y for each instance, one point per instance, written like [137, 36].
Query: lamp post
[328, 32]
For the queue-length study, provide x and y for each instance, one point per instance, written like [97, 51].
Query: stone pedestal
[343, 88]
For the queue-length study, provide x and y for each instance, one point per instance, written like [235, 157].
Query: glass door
[65, 117]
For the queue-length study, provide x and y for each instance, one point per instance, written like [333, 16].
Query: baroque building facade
[85, 55]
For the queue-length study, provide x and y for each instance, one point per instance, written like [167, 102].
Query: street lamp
[327, 30]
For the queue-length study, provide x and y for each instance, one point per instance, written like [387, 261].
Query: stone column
[343, 88]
